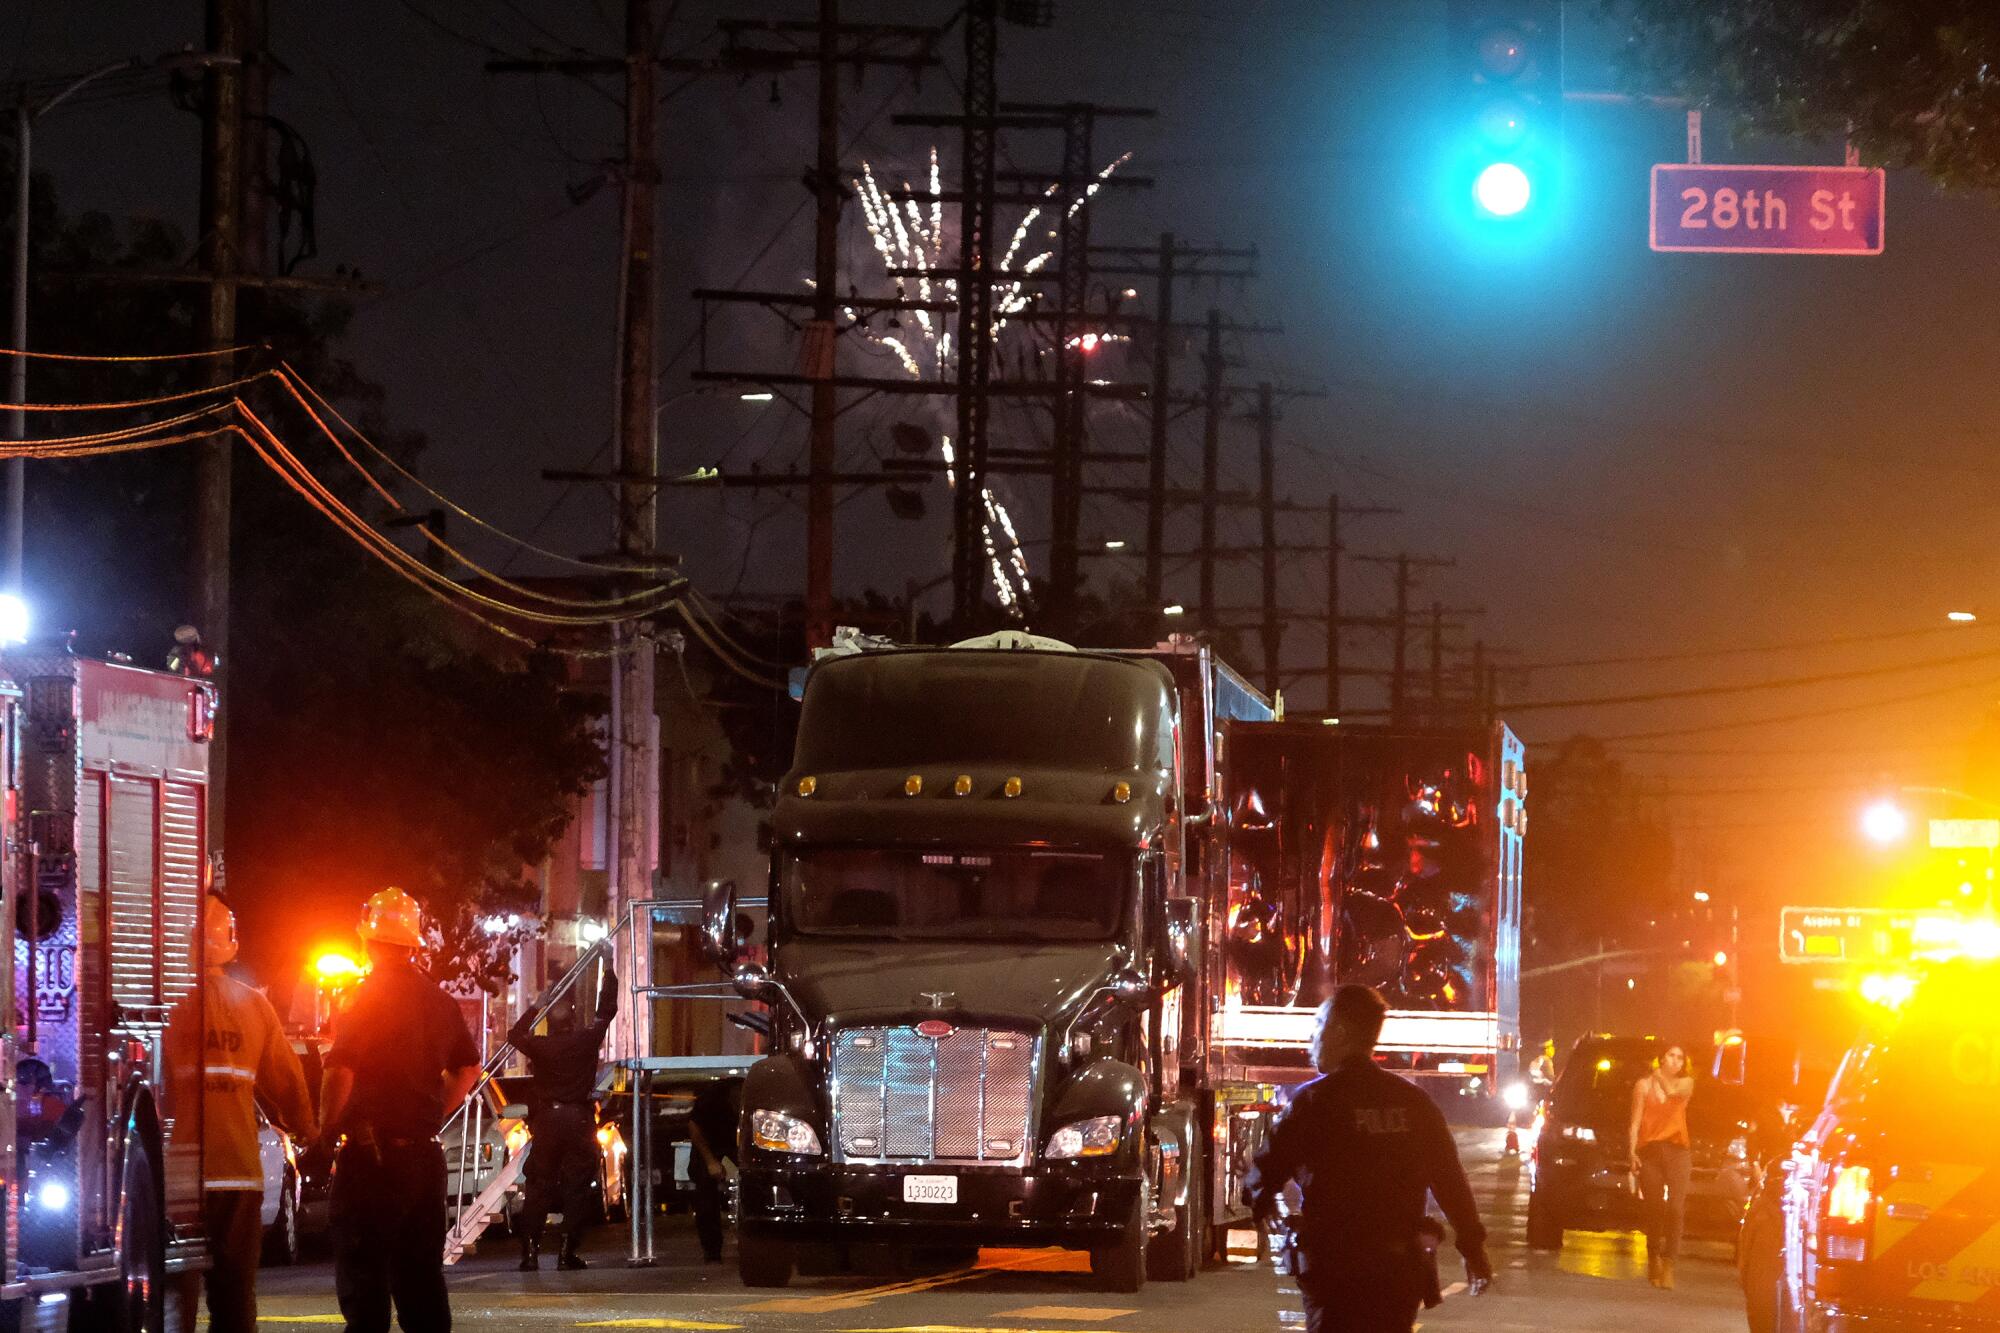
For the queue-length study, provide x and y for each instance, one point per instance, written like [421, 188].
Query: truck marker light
[808, 785]
[1011, 788]
[913, 785]
[935, 1028]
[1000, 1145]
[1121, 792]
[962, 785]
[1002, 1043]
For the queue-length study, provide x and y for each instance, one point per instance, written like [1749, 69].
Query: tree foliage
[374, 738]
[1911, 83]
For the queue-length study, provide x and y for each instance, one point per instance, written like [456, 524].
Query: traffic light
[1504, 66]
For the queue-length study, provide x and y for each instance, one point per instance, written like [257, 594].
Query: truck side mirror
[1183, 943]
[753, 981]
[719, 940]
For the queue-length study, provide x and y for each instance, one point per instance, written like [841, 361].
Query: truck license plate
[930, 1189]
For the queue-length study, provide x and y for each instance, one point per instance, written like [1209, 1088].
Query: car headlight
[774, 1131]
[1095, 1137]
[1516, 1096]
[1579, 1133]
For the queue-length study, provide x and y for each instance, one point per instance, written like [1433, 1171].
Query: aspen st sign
[1748, 210]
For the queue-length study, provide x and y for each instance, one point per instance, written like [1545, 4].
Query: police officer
[562, 1167]
[400, 1058]
[245, 1057]
[1365, 1146]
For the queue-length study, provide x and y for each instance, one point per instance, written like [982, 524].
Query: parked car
[280, 1216]
[1580, 1168]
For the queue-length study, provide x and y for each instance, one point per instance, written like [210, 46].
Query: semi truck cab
[975, 967]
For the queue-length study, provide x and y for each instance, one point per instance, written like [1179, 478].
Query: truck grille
[901, 1096]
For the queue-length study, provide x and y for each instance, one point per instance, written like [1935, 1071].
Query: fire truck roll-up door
[1373, 856]
[114, 793]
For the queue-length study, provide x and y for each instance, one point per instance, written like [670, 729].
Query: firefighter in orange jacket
[245, 1055]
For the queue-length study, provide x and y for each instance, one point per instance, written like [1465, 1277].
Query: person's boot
[531, 1253]
[1653, 1269]
[569, 1258]
[1666, 1282]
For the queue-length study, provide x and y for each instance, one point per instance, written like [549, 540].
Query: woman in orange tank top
[1659, 1142]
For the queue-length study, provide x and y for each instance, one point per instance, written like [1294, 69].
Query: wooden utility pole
[1267, 500]
[1162, 414]
[1211, 460]
[635, 765]
[823, 454]
[220, 256]
[978, 147]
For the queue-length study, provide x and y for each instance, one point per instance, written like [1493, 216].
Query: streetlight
[1961, 617]
[25, 115]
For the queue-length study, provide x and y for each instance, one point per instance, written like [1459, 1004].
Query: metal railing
[631, 944]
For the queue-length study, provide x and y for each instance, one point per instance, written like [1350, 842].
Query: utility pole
[1437, 663]
[1211, 460]
[1333, 625]
[819, 341]
[220, 257]
[978, 147]
[635, 768]
[1268, 521]
[1072, 293]
[1156, 444]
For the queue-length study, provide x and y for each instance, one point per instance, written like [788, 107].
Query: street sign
[1848, 934]
[1960, 833]
[1738, 210]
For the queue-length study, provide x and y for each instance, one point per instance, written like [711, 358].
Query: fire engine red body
[106, 776]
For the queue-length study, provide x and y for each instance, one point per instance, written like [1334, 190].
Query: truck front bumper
[820, 1202]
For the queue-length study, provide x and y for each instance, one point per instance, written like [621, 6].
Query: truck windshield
[1001, 895]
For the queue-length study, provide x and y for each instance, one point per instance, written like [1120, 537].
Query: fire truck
[105, 769]
[1048, 929]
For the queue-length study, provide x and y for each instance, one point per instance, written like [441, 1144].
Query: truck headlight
[1579, 1133]
[774, 1131]
[1095, 1137]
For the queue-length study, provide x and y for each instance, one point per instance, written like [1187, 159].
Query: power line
[1805, 715]
[1782, 682]
[1748, 649]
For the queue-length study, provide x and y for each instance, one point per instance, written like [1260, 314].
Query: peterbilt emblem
[935, 1028]
[937, 999]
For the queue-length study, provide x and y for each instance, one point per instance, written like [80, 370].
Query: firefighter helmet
[392, 917]
[218, 925]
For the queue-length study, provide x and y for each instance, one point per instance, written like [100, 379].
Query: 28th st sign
[1740, 210]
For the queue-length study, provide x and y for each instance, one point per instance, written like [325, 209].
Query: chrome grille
[901, 1096]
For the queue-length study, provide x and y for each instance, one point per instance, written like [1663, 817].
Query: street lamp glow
[13, 619]
[1885, 822]
[761, 397]
[1174, 610]
[1114, 544]
[1502, 189]
[1962, 617]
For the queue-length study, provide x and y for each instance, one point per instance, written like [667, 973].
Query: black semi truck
[1040, 958]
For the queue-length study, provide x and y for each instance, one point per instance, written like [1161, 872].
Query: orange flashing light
[1851, 1196]
[808, 785]
[913, 785]
[1011, 788]
[336, 969]
[1121, 792]
[962, 785]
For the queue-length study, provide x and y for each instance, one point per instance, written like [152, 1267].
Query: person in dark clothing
[401, 1056]
[712, 1126]
[1366, 1147]
[562, 1123]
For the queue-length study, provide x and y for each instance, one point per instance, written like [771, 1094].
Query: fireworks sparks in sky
[907, 235]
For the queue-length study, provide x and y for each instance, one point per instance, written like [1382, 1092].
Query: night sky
[1629, 454]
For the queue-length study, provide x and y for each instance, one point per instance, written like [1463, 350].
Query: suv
[1890, 1201]
[1579, 1167]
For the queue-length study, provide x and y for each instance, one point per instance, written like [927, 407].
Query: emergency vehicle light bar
[1405, 1031]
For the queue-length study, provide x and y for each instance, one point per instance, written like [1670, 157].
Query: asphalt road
[1596, 1283]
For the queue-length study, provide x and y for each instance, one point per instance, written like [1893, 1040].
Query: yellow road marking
[967, 1328]
[990, 1261]
[1062, 1312]
[301, 1318]
[651, 1323]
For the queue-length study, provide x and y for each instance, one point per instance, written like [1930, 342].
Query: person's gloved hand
[1478, 1270]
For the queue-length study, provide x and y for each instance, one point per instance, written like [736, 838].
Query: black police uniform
[716, 1112]
[398, 1037]
[1366, 1146]
[562, 1167]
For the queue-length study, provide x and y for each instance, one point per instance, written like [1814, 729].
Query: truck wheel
[1121, 1265]
[136, 1302]
[762, 1262]
[1545, 1230]
[1178, 1255]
